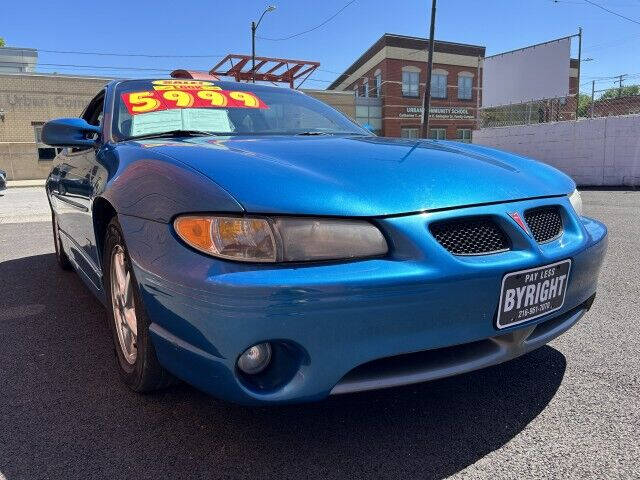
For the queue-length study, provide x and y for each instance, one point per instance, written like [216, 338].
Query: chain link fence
[610, 106]
[601, 103]
[539, 111]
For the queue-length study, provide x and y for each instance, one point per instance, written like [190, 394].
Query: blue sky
[216, 28]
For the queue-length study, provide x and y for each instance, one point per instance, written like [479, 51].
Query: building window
[365, 88]
[410, 82]
[45, 152]
[410, 132]
[439, 84]
[465, 87]
[438, 133]
[377, 83]
[464, 135]
[369, 116]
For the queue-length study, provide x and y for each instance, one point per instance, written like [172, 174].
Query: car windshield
[150, 108]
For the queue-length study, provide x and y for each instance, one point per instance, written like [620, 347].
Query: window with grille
[377, 82]
[464, 87]
[438, 85]
[410, 83]
[438, 133]
[410, 132]
[464, 135]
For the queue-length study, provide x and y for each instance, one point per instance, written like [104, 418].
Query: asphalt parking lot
[567, 410]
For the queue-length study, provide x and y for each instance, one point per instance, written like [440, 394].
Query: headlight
[280, 239]
[246, 239]
[576, 201]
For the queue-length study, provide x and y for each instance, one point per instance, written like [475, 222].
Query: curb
[25, 183]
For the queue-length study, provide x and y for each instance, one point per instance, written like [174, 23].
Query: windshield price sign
[187, 94]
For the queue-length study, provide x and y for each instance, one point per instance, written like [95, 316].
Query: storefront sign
[438, 112]
[16, 102]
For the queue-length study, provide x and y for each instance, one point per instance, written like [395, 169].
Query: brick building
[388, 82]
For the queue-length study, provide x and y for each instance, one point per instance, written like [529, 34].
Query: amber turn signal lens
[196, 231]
[234, 238]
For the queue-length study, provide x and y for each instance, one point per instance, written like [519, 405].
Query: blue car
[259, 245]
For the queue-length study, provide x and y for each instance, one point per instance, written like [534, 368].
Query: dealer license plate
[531, 293]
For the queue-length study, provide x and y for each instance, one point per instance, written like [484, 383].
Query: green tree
[2, 44]
[626, 91]
[584, 103]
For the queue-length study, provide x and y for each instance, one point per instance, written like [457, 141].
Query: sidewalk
[23, 205]
[25, 183]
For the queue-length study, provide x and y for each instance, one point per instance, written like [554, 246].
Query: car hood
[360, 176]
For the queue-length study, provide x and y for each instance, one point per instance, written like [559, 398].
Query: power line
[319, 80]
[612, 12]
[101, 67]
[146, 55]
[329, 71]
[311, 29]
[566, 1]
[609, 79]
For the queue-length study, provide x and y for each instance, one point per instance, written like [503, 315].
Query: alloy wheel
[122, 302]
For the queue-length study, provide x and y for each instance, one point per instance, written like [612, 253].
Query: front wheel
[135, 354]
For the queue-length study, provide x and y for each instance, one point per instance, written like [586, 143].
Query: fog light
[255, 359]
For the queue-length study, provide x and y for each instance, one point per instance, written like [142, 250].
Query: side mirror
[68, 132]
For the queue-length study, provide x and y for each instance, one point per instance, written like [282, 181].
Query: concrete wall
[595, 152]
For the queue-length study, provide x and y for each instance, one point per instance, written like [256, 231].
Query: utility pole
[426, 102]
[593, 94]
[620, 79]
[579, 65]
[478, 78]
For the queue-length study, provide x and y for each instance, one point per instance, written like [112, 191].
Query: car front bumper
[417, 314]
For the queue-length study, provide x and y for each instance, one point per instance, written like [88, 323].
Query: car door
[75, 190]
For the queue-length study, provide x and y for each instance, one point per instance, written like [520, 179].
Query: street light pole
[254, 27]
[426, 103]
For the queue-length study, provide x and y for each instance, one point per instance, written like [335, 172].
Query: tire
[61, 255]
[135, 355]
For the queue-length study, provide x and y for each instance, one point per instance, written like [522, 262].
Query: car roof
[227, 84]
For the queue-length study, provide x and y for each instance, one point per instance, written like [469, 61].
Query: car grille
[545, 223]
[472, 236]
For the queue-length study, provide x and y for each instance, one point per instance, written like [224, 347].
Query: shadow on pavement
[65, 413]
